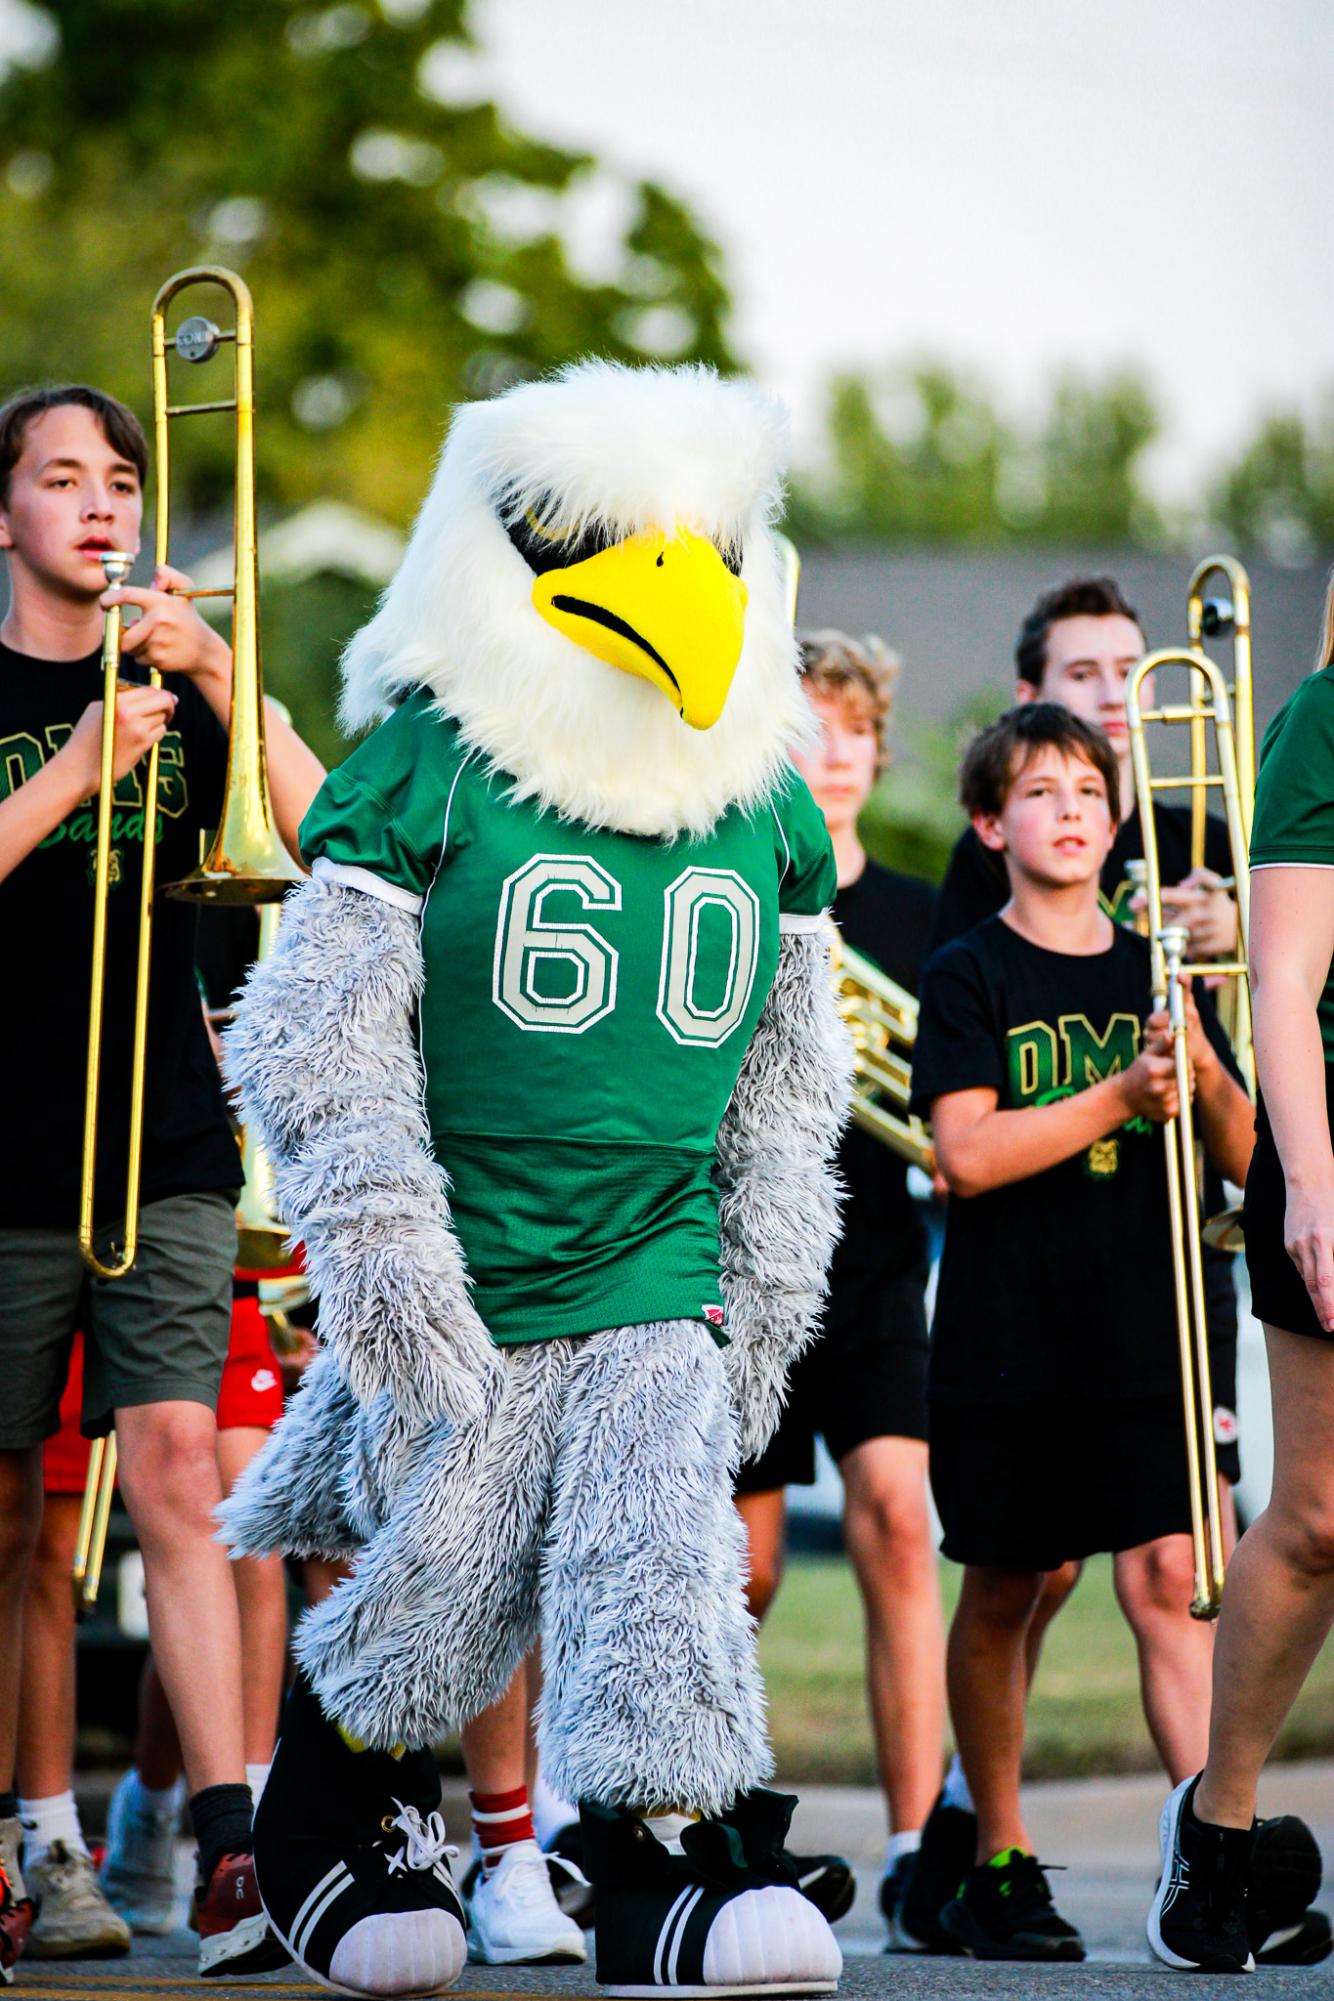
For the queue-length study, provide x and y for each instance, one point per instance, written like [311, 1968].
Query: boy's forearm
[1226, 1119]
[1006, 1146]
[35, 810]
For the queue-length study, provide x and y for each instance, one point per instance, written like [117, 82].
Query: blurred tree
[922, 454]
[405, 243]
[1278, 495]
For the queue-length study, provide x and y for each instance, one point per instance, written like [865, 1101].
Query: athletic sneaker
[1198, 1918]
[893, 1893]
[16, 1911]
[1285, 1876]
[947, 1853]
[138, 1869]
[828, 1881]
[1003, 1910]
[722, 1917]
[234, 1934]
[514, 1919]
[353, 1860]
[74, 1919]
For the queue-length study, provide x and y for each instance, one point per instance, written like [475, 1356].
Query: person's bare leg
[261, 1596]
[988, 1687]
[45, 1763]
[1057, 1587]
[1154, 1587]
[20, 1525]
[157, 1748]
[1278, 1607]
[764, 1515]
[171, 1486]
[887, 1527]
[494, 1743]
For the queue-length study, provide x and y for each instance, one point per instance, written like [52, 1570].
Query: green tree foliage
[923, 454]
[405, 246]
[1279, 494]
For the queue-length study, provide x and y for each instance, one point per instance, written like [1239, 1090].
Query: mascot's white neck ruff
[621, 450]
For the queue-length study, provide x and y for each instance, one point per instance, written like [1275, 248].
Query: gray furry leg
[292, 1498]
[443, 1603]
[652, 1694]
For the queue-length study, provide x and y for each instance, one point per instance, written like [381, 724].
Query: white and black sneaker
[723, 1917]
[353, 1863]
[1198, 1919]
[513, 1916]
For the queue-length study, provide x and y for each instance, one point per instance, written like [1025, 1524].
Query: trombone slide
[90, 1544]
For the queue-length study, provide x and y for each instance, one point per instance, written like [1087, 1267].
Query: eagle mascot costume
[549, 1068]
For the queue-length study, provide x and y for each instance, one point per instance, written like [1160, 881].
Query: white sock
[256, 1777]
[668, 1827]
[955, 1791]
[906, 1842]
[150, 1800]
[47, 1821]
[550, 1812]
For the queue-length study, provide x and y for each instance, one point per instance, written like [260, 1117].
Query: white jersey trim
[365, 880]
[791, 920]
[787, 852]
[1256, 867]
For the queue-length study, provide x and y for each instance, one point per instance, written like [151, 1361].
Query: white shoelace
[525, 1881]
[426, 1846]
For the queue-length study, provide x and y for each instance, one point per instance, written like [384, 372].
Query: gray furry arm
[778, 1183]
[323, 1054]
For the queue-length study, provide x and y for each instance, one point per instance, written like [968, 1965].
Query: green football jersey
[588, 1004]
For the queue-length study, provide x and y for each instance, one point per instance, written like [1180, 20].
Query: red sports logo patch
[713, 1314]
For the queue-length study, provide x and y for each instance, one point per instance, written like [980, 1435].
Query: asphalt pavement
[1103, 1832]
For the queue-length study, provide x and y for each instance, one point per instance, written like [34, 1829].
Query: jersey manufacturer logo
[1226, 1428]
[713, 1314]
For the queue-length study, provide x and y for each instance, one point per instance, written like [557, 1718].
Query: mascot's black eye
[543, 550]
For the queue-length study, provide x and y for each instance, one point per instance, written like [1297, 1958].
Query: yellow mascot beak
[665, 607]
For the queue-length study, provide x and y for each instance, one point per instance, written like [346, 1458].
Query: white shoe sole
[336, 1987]
[1169, 1821]
[756, 1987]
[218, 1953]
[559, 1952]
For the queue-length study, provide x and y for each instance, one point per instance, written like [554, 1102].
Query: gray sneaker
[138, 1869]
[74, 1920]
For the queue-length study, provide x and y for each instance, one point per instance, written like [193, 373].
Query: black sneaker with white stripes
[723, 1917]
[352, 1861]
[1198, 1919]
[828, 1881]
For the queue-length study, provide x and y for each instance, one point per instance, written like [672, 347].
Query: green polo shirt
[1294, 799]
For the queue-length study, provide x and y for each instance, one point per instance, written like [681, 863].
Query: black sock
[221, 1818]
[9, 1806]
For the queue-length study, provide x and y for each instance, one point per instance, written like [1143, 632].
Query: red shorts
[251, 1395]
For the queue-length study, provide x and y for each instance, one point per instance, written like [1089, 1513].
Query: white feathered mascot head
[594, 591]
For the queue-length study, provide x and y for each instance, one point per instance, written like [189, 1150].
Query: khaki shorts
[155, 1336]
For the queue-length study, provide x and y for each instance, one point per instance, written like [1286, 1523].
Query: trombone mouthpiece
[116, 563]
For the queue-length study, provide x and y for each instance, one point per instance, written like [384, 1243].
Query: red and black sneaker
[17, 1909]
[234, 1933]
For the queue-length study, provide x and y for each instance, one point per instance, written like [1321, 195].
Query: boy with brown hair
[1055, 1402]
[72, 467]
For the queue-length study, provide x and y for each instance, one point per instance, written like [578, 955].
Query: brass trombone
[1209, 707]
[247, 862]
[882, 1018]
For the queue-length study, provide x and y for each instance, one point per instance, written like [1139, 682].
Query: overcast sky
[1017, 183]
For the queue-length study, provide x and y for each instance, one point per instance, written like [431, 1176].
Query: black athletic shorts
[864, 1376]
[1277, 1293]
[1029, 1486]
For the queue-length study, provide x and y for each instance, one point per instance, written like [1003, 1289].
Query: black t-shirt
[1059, 1285]
[976, 885]
[886, 917]
[46, 916]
